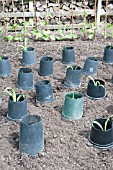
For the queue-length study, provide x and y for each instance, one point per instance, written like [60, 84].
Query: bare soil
[66, 142]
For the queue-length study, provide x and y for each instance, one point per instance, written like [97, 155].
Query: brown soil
[66, 142]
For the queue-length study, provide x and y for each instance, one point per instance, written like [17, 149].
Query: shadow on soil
[3, 112]
[85, 133]
[14, 140]
[109, 109]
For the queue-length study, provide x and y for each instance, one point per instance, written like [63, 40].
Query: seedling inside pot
[111, 47]
[74, 67]
[95, 82]
[13, 94]
[0, 58]
[25, 46]
[103, 128]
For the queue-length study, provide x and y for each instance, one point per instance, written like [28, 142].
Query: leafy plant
[13, 94]
[95, 82]
[74, 67]
[1, 31]
[0, 58]
[9, 38]
[25, 44]
[105, 124]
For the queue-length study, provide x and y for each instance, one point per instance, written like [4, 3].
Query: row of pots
[46, 63]
[31, 140]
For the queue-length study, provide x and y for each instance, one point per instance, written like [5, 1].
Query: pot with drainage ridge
[44, 91]
[108, 54]
[73, 76]
[68, 55]
[90, 66]
[46, 66]
[5, 68]
[101, 134]
[25, 79]
[31, 140]
[29, 56]
[73, 106]
[96, 89]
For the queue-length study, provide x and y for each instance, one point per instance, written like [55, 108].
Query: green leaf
[21, 95]
[109, 26]
[14, 95]
[52, 37]
[98, 124]
[9, 38]
[91, 35]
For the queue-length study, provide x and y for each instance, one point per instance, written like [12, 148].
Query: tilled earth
[66, 142]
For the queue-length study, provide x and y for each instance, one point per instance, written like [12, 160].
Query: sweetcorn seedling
[95, 82]
[25, 46]
[13, 94]
[103, 128]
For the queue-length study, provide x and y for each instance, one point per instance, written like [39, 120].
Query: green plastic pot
[73, 106]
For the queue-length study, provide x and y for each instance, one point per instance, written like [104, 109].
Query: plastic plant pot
[96, 92]
[46, 66]
[73, 106]
[108, 54]
[73, 77]
[44, 92]
[16, 110]
[25, 79]
[102, 138]
[112, 79]
[68, 55]
[0, 99]
[31, 139]
[90, 66]
[29, 56]
[5, 68]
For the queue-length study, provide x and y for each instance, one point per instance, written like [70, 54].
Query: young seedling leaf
[98, 124]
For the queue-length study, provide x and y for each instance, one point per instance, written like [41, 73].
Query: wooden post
[95, 11]
[24, 15]
[105, 33]
[85, 19]
[31, 9]
[59, 10]
[72, 19]
[47, 11]
[99, 6]
[5, 30]
[35, 13]
[13, 13]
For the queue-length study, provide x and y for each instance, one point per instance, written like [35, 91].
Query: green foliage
[1, 31]
[25, 46]
[105, 124]
[13, 94]
[0, 58]
[96, 83]
[9, 38]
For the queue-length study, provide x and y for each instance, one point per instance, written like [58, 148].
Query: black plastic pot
[90, 66]
[5, 68]
[29, 56]
[101, 138]
[46, 66]
[16, 110]
[73, 77]
[44, 92]
[25, 79]
[96, 92]
[108, 54]
[68, 55]
[112, 79]
[73, 106]
[31, 139]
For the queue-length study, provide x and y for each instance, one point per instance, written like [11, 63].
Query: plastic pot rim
[30, 115]
[101, 146]
[48, 57]
[91, 59]
[17, 120]
[28, 64]
[29, 88]
[18, 101]
[78, 93]
[46, 101]
[71, 85]
[44, 74]
[107, 62]
[69, 118]
[99, 98]
[68, 48]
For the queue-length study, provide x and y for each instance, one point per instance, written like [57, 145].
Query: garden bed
[66, 142]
